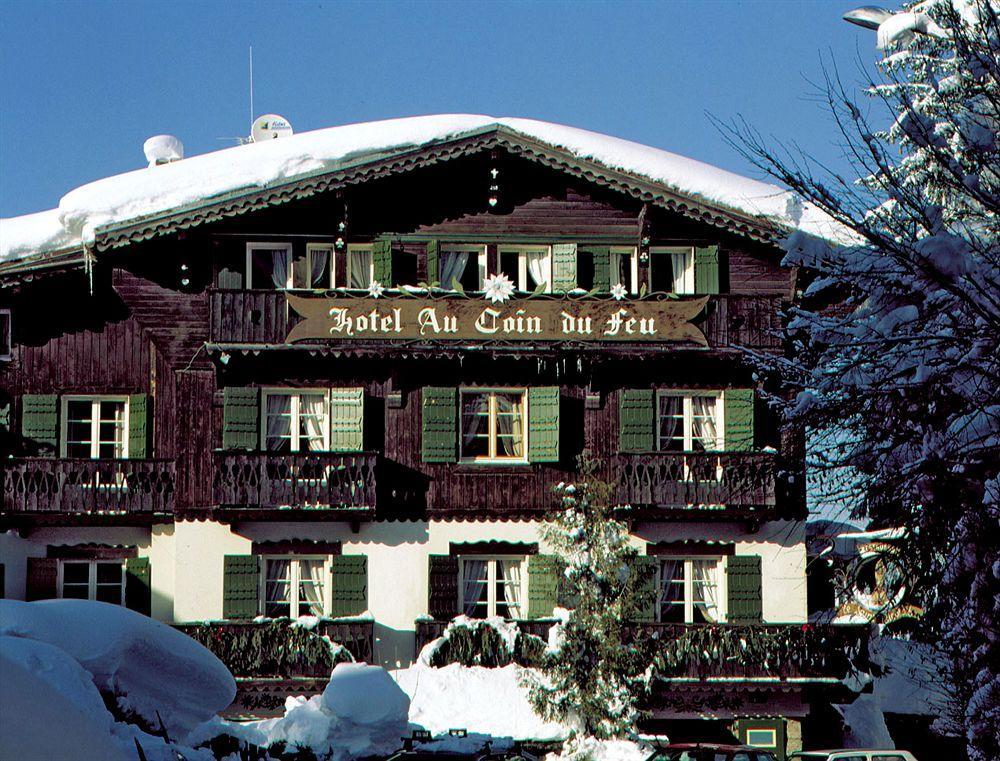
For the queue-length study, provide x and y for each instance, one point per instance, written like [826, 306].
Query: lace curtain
[453, 266]
[679, 262]
[311, 587]
[312, 413]
[510, 572]
[279, 268]
[320, 276]
[360, 268]
[277, 592]
[539, 265]
[706, 590]
[509, 425]
[704, 429]
[474, 586]
[279, 422]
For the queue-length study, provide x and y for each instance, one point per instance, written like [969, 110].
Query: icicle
[88, 267]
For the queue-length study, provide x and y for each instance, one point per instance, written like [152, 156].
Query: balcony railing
[276, 648]
[41, 487]
[321, 481]
[428, 631]
[695, 480]
[263, 317]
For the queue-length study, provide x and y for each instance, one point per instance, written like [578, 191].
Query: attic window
[6, 338]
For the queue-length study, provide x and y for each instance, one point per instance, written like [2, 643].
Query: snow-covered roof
[145, 194]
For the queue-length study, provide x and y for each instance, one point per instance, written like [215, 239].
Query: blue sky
[84, 83]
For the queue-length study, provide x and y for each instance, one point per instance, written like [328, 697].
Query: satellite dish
[269, 127]
[162, 149]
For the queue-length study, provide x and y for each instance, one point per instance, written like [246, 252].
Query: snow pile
[864, 724]
[592, 749]
[151, 669]
[157, 190]
[491, 701]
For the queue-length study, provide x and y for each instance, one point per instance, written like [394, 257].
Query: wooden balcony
[262, 317]
[698, 482]
[276, 649]
[317, 484]
[53, 490]
[428, 631]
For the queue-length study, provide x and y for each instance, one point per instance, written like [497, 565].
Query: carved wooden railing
[275, 649]
[695, 480]
[309, 480]
[41, 486]
[263, 317]
[428, 631]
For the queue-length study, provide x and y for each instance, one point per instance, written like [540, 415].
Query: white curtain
[511, 574]
[360, 265]
[312, 412]
[704, 426]
[669, 590]
[679, 261]
[453, 266]
[311, 587]
[473, 408]
[509, 426]
[706, 590]
[540, 268]
[279, 421]
[278, 593]
[671, 416]
[279, 268]
[474, 586]
[320, 276]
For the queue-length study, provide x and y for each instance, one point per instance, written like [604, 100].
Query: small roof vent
[162, 149]
[269, 127]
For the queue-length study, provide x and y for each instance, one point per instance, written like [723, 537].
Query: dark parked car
[710, 752]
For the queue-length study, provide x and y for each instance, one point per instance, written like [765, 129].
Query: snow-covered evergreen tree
[595, 678]
[898, 360]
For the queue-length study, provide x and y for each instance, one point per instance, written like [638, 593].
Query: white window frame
[615, 254]
[491, 581]
[770, 745]
[295, 604]
[689, 604]
[370, 247]
[95, 422]
[688, 411]
[294, 412]
[688, 277]
[479, 249]
[331, 253]
[7, 336]
[259, 246]
[92, 576]
[493, 457]
[522, 251]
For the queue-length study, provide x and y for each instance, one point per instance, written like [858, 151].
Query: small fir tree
[595, 678]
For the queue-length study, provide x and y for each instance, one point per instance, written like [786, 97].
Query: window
[295, 421]
[762, 738]
[671, 270]
[528, 267]
[689, 421]
[494, 425]
[269, 266]
[625, 268]
[314, 268]
[464, 263]
[690, 590]
[293, 586]
[95, 427]
[491, 586]
[101, 580]
[360, 265]
[6, 335]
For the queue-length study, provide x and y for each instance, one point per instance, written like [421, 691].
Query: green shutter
[40, 583]
[439, 432]
[240, 586]
[543, 424]
[5, 412]
[347, 419]
[139, 410]
[40, 421]
[138, 595]
[744, 589]
[636, 420]
[433, 262]
[602, 268]
[240, 418]
[706, 269]
[563, 267]
[382, 259]
[442, 587]
[349, 585]
[738, 406]
[543, 585]
[646, 566]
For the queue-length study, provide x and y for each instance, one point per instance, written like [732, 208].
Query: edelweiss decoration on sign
[527, 319]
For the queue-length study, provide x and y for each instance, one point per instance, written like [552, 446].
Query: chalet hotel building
[338, 375]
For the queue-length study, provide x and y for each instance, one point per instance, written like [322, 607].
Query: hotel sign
[470, 319]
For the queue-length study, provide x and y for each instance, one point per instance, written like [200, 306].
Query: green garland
[270, 648]
[479, 644]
